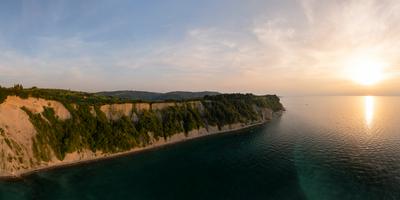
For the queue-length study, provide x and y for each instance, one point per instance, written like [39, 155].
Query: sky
[285, 47]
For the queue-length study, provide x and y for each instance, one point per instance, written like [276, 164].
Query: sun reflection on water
[369, 109]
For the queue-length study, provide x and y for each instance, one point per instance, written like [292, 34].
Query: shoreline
[153, 146]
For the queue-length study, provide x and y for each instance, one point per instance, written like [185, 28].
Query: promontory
[42, 128]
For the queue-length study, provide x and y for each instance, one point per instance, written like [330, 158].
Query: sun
[366, 70]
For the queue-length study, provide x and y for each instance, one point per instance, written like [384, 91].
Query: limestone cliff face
[17, 132]
[116, 111]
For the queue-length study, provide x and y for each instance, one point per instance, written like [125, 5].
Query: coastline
[158, 144]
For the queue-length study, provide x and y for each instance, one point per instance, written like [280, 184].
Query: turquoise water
[321, 148]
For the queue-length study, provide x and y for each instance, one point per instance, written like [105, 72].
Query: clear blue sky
[262, 46]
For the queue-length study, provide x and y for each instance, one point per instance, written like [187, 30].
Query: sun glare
[369, 109]
[365, 70]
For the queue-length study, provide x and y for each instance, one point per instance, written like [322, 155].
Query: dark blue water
[321, 148]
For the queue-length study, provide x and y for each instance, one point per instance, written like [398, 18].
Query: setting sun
[365, 70]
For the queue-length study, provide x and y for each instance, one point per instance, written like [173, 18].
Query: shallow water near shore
[321, 148]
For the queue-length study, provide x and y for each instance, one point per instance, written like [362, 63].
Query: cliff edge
[38, 132]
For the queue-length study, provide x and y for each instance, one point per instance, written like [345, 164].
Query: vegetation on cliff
[156, 96]
[76, 97]
[89, 128]
[64, 96]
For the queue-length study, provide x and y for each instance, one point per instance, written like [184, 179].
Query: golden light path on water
[369, 102]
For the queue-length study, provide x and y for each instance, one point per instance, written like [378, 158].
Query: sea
[322, 147]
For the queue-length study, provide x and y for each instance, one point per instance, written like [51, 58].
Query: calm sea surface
[321, 148]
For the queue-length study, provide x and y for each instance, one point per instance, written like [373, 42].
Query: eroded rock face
[17, 132]
[267, 113]
[36, 105]
[160, 106]
[116, 111]
[141, 106]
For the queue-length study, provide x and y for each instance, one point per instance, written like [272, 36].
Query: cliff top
[118, 97]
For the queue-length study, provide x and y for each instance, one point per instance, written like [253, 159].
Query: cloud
[280, 53]
[275, 53]
[63, 63]
[307, 6]
[271, 32]
[272, 53]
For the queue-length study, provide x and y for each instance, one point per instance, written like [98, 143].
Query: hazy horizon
[288, 48]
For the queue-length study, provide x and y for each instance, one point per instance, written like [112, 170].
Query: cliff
[155, 96]
[37, 133]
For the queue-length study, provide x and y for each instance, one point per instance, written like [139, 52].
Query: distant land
[42, 128]
[156, 96]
